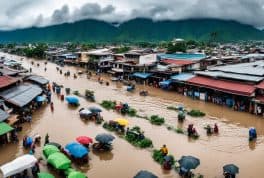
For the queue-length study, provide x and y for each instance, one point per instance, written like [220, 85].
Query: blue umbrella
[76, 149]
[72, 99]
[29, 141]
[104, 138]
[189, 162]
[145, 174]
[40, 98]
[95, 109]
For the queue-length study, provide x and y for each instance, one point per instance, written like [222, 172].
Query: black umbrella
[104, 138]
[231, 169]
[54, 144]
[145, 174]
[189, 162]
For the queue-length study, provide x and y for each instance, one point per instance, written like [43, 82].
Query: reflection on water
[64, 125]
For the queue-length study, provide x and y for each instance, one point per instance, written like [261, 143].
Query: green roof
[5, 128]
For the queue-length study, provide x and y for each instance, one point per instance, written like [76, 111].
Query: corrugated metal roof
[5, 128]
[252, 68]
[6, 81]
[38, 79]
[21, 95]
[182, 77]
[220, 74]
[3, 115]
[224, 86]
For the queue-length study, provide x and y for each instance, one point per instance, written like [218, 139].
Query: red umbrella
[84, 140]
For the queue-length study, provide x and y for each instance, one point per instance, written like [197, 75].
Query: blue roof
[182, 77]
[183, 56]
[141, 75]
[166, 82]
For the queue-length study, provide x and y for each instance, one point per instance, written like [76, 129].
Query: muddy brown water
[64, 125]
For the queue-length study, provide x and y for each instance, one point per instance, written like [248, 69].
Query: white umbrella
[85, 112]
[18, 165]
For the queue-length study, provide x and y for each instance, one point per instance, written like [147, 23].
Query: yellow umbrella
[122, 122]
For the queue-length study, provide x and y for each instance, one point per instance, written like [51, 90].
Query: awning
[38, 79]
[3, 115]
[182, 77]
[12, 120]
[5, 128]
[224, 86]
[165, 83]
[21, 95]
[141, 75]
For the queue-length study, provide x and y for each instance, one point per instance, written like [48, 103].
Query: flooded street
[124, 161]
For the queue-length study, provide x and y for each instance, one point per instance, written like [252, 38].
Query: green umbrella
[49, 150]
[59, 161]
[76, 174]
[45, 175]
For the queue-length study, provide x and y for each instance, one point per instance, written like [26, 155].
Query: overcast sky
[16, 14]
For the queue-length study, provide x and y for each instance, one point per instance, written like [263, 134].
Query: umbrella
[231, 169]
[84, 140]
[189, 162]
[72, 99]
[104, 138]
[45, 175]
[76, 149]
[49, 149]
[40, 98]
[145, 174]
[59, 161]
[85, 112]
[122, 122]
[95, 109]
[76, 174]
[54, 144]
[29, 141]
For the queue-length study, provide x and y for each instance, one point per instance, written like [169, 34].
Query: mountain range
[136, 30]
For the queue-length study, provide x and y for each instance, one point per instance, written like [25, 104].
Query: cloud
[61, 15]
[26, 13]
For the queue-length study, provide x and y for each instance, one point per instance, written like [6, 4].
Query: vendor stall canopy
[18, 165]
[21, 95]
[5, 128]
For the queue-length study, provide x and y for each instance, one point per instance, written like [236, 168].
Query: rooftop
[183, 56]
[252, 68]
[6, 81]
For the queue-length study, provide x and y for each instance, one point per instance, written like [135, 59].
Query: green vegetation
[132, 137]
[76, 92]
[177, 47]
[196, 113]
[96, 31]
[132, 112]
[179, 130]
[157, 120]
[107, 104]
[121, 49]
[158, 157]
[37, 52]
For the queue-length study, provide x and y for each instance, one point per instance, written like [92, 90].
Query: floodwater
[124, 161]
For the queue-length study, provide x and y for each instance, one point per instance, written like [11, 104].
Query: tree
[177, 47]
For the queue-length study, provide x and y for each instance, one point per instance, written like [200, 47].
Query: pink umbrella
[84, 140]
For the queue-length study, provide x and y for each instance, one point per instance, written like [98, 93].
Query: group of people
[168, 161]
[192, 131]
[210, 130]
